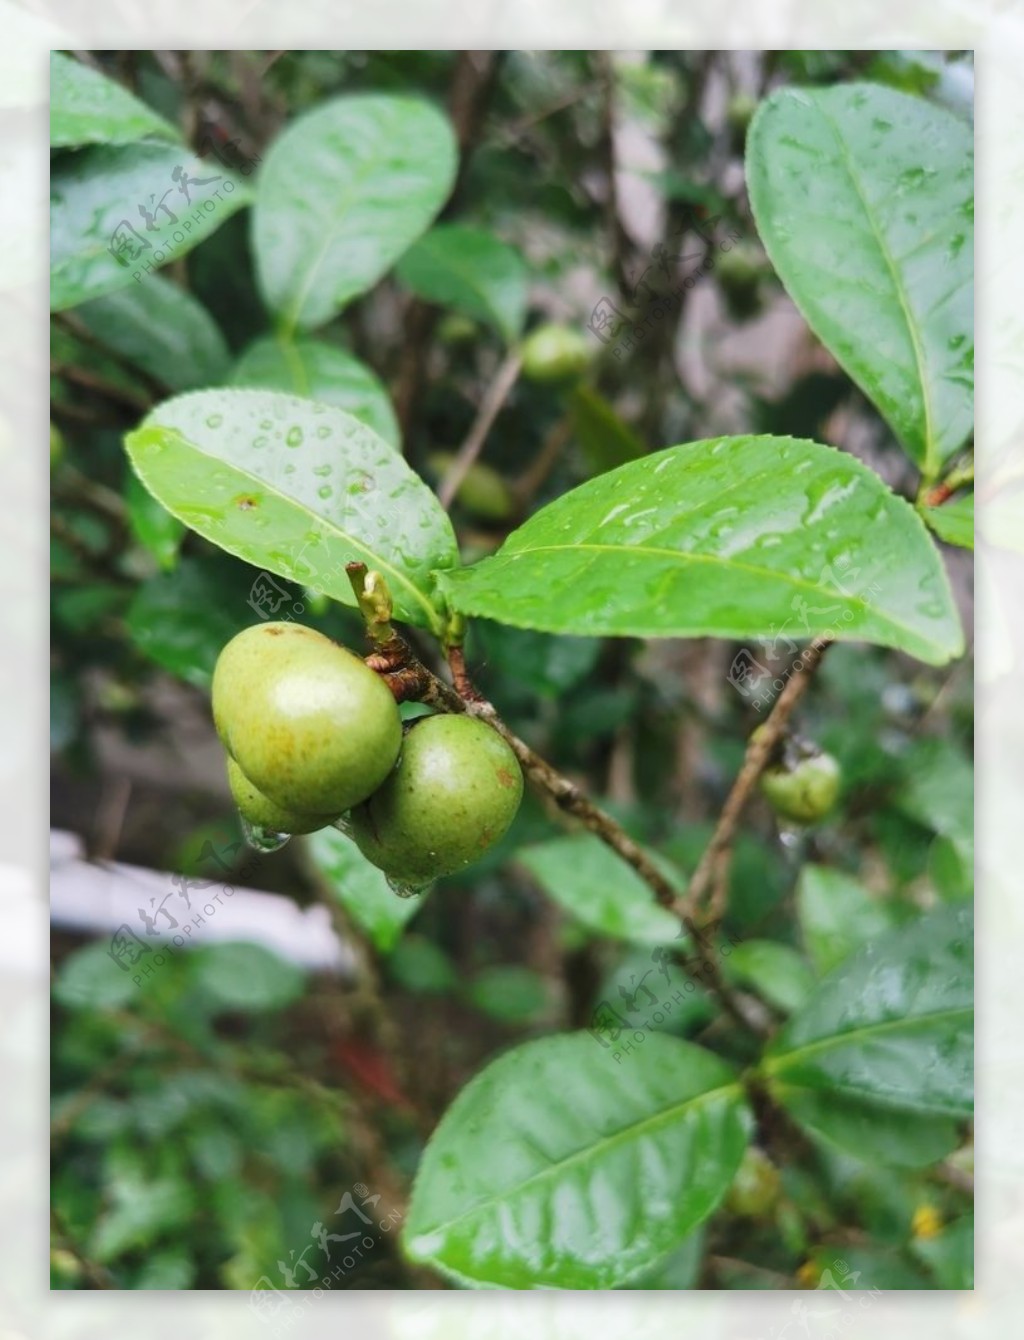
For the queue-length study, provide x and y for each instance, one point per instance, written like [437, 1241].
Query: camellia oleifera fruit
[455, 791]
[805, 791]
[554, 353]
[264, 813]
[310, 726]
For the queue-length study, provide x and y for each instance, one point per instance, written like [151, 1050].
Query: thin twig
[712, 870]
[490, 407]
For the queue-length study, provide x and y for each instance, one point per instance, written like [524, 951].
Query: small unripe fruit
[264, 813]
[756, 1186]
[741, 271]
[555, 354]
[455, 791]
[805, 792]
[310, 725]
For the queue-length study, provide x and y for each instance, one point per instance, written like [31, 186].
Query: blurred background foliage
[204, 1121]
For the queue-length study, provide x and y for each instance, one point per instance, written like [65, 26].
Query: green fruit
[455, 791]
[482, 492]
[555, 354]
[309, 724]
[264, 813]
[756, 1186]
[805, 792]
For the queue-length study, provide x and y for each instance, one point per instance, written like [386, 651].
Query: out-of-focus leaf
[837, 915]
[246, 977]
[92, 979]
[152, 524]
[88, 108]
[361, 888]
[470, 271]
[606, 440]
[775, 971]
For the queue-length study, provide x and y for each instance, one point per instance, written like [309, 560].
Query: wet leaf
[837, 915]
[864, 199]
[735, 537]
[559, 1167]
[297, 489]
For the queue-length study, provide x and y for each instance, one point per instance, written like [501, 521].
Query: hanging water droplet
[404, 890]
[262, 839]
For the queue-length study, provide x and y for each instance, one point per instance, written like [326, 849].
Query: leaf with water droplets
[569, 1164]
[864, 199]
[322, 372]
[297, 489]
[737, 537]
[880, 1057]
[344, 191]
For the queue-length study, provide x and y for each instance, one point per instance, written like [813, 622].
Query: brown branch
[490, 407]
[712, 870]
[618, 241]
[91, 381]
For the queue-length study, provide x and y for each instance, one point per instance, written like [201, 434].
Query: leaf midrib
[780, 1062]
[258, 480]
[662, 1117]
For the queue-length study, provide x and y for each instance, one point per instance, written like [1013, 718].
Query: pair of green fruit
[312, 733]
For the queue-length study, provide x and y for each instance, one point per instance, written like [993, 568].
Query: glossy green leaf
[159, 327]
[321, 372]
[298, 489]
[558, 1167]
[343, 192]
[470, 271]
[953, 521]
[837, 915]
[100, 241]
[182, 619]
[606, 440]
[361, 888]
[596, 887]
[152, 524]
[775, 971]
[864, 199]
[88, 108]
[889, 1032]
[889, 1137]
[736, 537]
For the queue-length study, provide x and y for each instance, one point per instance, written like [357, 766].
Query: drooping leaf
[558, 1167]
[606, 440]
[152, 524]
[470, 271]
[297, 489]
[321, 372]
[885, 1044]
[163, 330]
[361, 888]
[777, 971]
[735, 537]
[118, 213]
[597, 888]
[88, 108]
[837, 915]
[343, 192]
[953, 521]
[864, 199]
